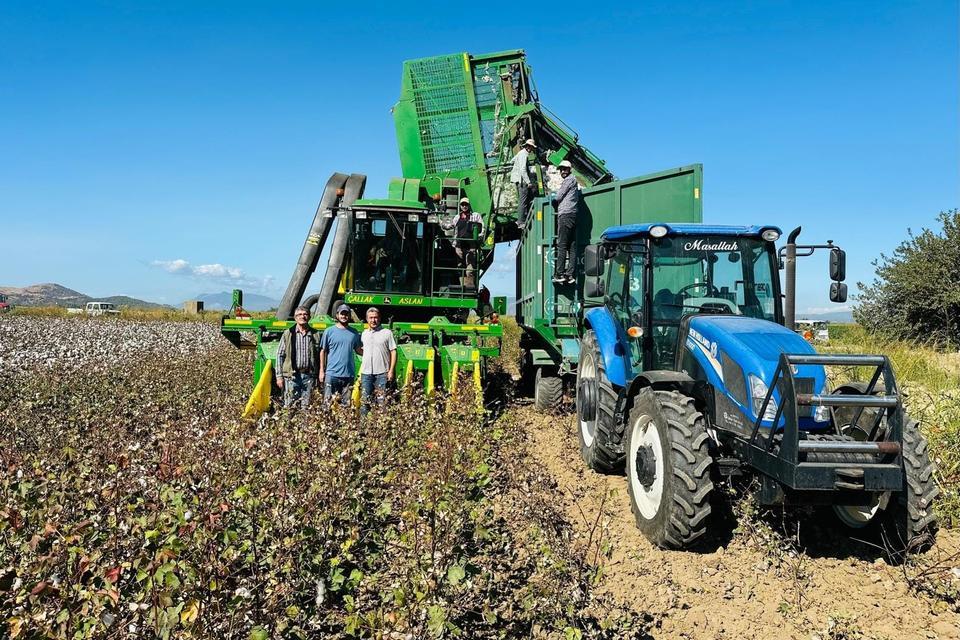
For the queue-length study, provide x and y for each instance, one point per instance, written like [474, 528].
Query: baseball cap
[343, 308]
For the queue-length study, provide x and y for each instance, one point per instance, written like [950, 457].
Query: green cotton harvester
[459, 121]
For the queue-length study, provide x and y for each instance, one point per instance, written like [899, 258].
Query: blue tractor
[687, 376]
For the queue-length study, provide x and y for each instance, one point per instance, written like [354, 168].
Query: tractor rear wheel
[547, 391]
[668, 468]
[600, 437]
[906, 520]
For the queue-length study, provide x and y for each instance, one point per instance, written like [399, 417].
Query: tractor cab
[660, 275]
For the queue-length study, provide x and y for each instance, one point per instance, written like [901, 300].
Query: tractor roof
[629, 231]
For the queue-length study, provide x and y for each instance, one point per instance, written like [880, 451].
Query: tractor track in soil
[729, 589]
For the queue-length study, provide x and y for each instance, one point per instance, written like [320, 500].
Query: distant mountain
[224, 300]
[56, 295]
[832, 316]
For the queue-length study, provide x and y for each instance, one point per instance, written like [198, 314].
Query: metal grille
[440, 98]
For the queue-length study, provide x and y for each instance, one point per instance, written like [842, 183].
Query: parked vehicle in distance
[811, 330]
[96, 309]
[4, 305]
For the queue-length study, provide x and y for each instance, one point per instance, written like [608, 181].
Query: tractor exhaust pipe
[341, 240]
[312, 246]
[790, 277]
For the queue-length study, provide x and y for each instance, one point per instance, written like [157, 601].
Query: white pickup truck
[96, 309]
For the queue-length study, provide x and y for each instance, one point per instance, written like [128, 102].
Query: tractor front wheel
[668, 468]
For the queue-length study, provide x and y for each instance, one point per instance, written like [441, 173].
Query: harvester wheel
[547, 391]
[668, 468]
[600, 433]
[906, 520]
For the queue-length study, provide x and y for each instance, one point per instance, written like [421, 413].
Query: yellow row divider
[260, 398]
[355, 394]
[454, 376]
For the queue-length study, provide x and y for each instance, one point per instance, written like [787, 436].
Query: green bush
[915, 294]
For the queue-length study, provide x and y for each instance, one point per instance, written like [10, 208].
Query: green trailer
[550, 314]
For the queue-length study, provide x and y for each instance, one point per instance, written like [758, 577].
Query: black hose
[312, 246]
[341, 241]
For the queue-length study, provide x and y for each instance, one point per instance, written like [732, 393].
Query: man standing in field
[567, 202]
[520, 176]
[298, 360]
[379, 362]
[337, 346]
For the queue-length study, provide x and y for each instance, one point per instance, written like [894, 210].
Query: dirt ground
[741, 585]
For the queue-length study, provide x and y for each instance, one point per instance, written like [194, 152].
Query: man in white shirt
[520, 176]
[379, 362]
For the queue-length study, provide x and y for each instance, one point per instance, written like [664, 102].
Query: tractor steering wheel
[711, 290]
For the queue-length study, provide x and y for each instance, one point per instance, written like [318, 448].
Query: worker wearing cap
[337, 367]
[566, 203]
[464, 224]
[298, 360]
[520, 176]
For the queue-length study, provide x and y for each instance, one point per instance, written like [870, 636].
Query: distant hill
[831, 316]
[56, 295]
[224, 299]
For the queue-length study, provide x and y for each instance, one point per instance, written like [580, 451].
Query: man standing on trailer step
[298, 358]
[337, 346]
[566, 202]
[464, 243]
[520, 176]
[379, 363]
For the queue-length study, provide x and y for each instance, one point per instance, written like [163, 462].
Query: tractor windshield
[388, 255]
[712, 274]
[707, 274]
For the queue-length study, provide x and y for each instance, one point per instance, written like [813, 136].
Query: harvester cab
[687, 374]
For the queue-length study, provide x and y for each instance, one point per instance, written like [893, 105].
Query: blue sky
[135, 135]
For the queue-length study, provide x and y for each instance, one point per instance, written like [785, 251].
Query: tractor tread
[548, 392]
[689, 463]
[603, 455]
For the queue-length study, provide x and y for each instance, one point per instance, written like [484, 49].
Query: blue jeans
[371, 383]
[298, 389]
[333, 386]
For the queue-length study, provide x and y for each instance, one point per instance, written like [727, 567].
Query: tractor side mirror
[593, 287]
[838, 265]
[838, 292]
[592, 261]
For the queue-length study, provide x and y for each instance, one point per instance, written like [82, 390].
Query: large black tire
[911, 515]
[547, 392]
[668, 468]
[601, 434]
[905, 520]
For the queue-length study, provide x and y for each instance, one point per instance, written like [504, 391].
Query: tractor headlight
[770, 235]
[758, 391]
[658, 231]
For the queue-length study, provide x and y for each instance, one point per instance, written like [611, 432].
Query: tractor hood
[735, 346]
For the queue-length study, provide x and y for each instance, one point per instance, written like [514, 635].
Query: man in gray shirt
[379, 362]
[567, 201]
[520, 176]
